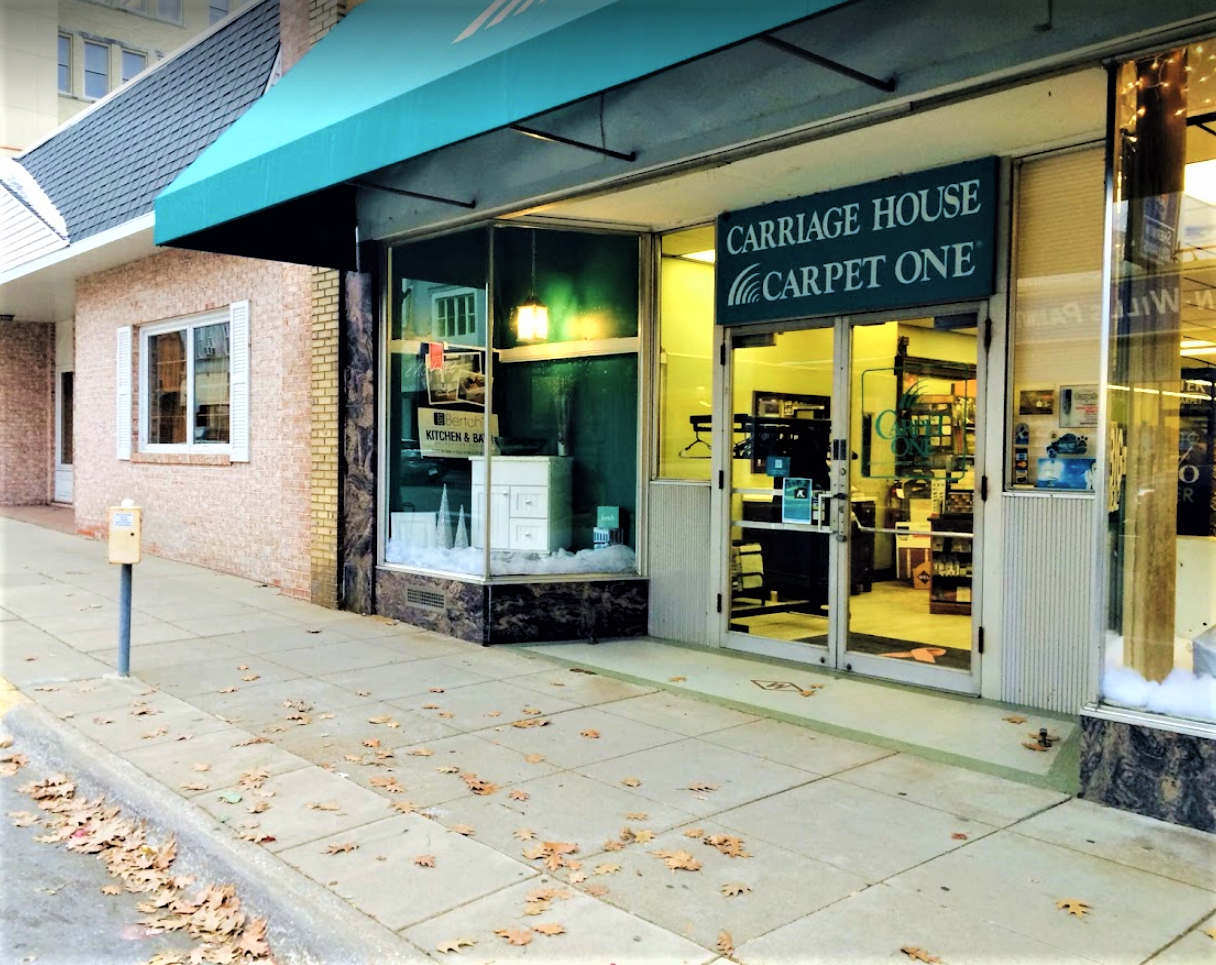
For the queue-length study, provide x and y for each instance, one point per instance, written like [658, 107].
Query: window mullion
[190, 361]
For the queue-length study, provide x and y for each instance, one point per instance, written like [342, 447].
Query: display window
[686, 343]
[1056, 325]
[512, 427]
[1160, 645]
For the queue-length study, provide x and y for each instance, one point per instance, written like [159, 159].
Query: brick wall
[251, 519]
[325, 443]
[27, 428]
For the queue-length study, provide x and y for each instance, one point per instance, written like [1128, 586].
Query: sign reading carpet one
[919, 239]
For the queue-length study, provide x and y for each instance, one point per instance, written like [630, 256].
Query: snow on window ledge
[469, 561]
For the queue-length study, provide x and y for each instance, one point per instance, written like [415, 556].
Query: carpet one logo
[745, 289]
[494, 14]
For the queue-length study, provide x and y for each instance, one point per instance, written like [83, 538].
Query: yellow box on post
[125, 534]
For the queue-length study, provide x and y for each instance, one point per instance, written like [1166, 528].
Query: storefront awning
[399, 78]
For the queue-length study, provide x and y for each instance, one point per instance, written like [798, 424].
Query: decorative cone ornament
[443, 534]
[462, 532]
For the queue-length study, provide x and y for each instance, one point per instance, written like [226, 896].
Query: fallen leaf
[631, 782]
[436, 690]
[227, 690]
[372, 742]
[608, 868]
[593, 734]
[251, 740]
[353, 758]
[242, 666]
[479, 785]
[959, 836]
[518, 795]
[702, 786]
[636, 816]
[257, 807]
[1073, 906]
[531, 722]
[194, 786]
[1035, 746]
[694, 833]
[919, 954]
[342, 848]
[613, 846]
[1211, 933]
[677, 680]
[728, 844]
[325, 716]
[201, 767]
[421, 752]
[49, 690]
[251, 677]
[732, 889]
[516, 936]
[726, 944]
[464, 829]
[549, 928]
[406, 807]
[430, 706]
[388, 783]
[530, 711]
[363, 693]
[596, 890]
[23, 819]
[582, 670]
[6, 741]
[1015, 719]
[381, 719]
[494, 713]
[442, 713]
[448, 769]
[455, 945]
[152, 734]
[678, 860]
[524, 834]
[536, 908]
[425, 861]
[100, 721]
[534, 758]
[323, 806]
[111, 890]
[312, 631]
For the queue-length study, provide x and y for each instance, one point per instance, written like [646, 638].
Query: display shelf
[951, 566]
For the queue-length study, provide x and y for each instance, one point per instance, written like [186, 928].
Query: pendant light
[531, 317]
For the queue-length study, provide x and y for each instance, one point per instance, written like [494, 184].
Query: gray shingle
[108, 167]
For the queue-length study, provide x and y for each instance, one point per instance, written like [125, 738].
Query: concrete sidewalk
[690, 819]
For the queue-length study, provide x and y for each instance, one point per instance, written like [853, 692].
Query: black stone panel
[358, 425]
[590, 610]
[1149, 770]
[463, 613]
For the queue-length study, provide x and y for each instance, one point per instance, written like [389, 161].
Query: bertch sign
[919, 239]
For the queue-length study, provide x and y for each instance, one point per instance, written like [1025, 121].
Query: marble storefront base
[502, 613]
[1150, 770]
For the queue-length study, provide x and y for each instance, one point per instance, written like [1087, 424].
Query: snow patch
[1183, 693]
[468, 561]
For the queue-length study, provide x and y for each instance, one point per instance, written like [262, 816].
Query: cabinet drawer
[530, 501]
[530, 535]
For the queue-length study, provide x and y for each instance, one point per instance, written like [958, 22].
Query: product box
[608, 517]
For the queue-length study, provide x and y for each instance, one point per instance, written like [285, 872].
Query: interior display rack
[951, 564]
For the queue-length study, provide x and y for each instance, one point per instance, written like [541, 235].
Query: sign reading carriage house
[917, 239]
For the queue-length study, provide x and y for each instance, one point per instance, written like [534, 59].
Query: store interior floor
[965, 731]
[891, 609]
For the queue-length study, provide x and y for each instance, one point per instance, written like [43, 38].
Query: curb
[305, 923]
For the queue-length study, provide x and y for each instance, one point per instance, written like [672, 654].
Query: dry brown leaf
[257, 807]
[323, 806]
[425, 861]
[111, 890]
[524, 834]
[153, 734]
[1034, 746]
[534, 852]
[243, 666]
[194, 786]
[643, 837]
[478, 785]
[678, 860]
[726, 944]
[251, 740]
[494, 713]
[533, 909]
[732, 889]
[531, 722]
[406, 807]
[342, 848]
[363, 693]
[919, 955]
[636, 816]
[23, 819]
[958, 836]
[631, 782]
[227, 690]
[613, 846]
[325, 716]
[530, 711]
[141, 710]
[561, 847]
[1074, 906]
[442, 713]
[596, 890]
[421, 752]
[593, 734]
[518, 795]
[388, 783]
[694, 833]
[353, 758]
[534, 758]
[516, 936]
[464, 829]
[47, 689]
[677, 680]
[1015, 719]
[607, 868]
[728, 844]
[372, 742]
[251, 677]
[436, 690]
[430, 706]
[381, 719]
[702, 786]
[455, 945]
[448, 769]
[1211, 933]
[549, 928]
[201, 767]
[6, 742]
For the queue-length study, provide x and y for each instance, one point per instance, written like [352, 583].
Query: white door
[64, 396]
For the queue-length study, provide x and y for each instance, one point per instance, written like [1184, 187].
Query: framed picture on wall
[457, 378]
[1037, 402]
[1078, 406]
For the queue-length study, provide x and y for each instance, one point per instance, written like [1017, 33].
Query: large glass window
[132, 64]
[65, 64]
[1055, 342]
[186, 386]
[527, 458]
[96, 70]
[1160, 647]
[686, 341]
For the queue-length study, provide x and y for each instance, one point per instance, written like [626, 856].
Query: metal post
[124, 622]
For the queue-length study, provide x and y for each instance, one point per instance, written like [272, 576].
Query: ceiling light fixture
[531, 317]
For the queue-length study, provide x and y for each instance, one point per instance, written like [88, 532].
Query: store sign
[919, 239]
[442, 432]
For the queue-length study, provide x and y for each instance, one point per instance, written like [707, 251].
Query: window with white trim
[193, 384]
[455, 314]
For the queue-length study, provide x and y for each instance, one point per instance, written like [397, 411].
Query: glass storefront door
[853, 447]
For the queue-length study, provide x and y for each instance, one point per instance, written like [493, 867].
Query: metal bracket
[570, 142]
[412, 194]
[887, 85]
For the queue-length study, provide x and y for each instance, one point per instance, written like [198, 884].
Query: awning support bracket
[569, 142]
[469, 205]
[887, 85]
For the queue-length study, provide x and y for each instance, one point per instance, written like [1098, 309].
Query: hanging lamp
[531, 317]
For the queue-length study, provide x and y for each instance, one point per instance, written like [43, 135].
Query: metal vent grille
[426, 599]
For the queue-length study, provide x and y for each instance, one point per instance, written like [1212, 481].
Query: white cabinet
[530, 502]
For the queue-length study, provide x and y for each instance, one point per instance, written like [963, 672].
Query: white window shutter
[122, 382]
[238, 413]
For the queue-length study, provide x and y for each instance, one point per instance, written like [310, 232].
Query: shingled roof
[107, 167]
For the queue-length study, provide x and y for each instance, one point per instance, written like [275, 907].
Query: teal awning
[398, 78]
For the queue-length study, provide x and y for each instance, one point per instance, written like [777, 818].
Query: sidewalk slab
[800, 747]
[211, 675]
[565, 740]
[406, 679]
[472, 704]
